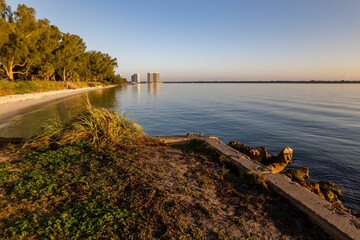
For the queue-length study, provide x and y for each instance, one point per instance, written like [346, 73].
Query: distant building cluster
[153, 77]
[135, 78]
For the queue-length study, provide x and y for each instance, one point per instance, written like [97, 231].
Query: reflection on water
[320, 121]
[153, 89]
[29, 121]
[136, 92]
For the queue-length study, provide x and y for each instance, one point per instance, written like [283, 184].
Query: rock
[278, 163]
[326, 190]
[330, 186]
[263, 153]
[257, 154]
[330, 196]
[300, 174]
[330, 190]
[314, 187]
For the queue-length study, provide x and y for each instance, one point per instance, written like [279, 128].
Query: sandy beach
[12, 103]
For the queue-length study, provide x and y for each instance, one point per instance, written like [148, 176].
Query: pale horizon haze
[217, 40]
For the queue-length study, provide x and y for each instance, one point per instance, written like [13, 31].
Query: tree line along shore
[34, 49]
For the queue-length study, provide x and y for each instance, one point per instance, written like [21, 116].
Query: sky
[219, 40]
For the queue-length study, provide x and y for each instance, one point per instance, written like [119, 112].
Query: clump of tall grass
[96, 126]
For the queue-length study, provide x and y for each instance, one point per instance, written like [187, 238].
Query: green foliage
[69, 54]
[67, 183]
[99, 66]
[58, 176]
[18, 41]
[34, 49]
[116, 79]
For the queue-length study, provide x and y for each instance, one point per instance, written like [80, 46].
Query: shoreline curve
[12, 103]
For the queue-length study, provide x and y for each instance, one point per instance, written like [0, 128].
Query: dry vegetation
[22, 87]
[99, 176]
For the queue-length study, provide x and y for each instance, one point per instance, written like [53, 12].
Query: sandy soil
[216, 200]
[12, 103]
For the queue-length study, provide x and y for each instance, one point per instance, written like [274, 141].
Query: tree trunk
[9, 71]
[64, 75]
[10, 67]
[10, 75]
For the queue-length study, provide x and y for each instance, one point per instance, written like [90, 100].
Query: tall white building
[153, 77]
[135, 78]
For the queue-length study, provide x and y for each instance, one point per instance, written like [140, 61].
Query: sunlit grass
[22, 87]
[97, 126]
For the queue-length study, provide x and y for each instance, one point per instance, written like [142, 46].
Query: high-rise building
[135, 78]
[153, 77]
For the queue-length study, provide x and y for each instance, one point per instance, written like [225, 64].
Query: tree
[43, 60]
[35, 49]
[69, 54]
[18, 41]
[101, 65]
[5, 29]
[5, 11]
[3, 5]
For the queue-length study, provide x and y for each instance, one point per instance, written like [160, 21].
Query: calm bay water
[321, 122]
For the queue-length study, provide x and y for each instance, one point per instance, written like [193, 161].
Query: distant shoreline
[274, 82]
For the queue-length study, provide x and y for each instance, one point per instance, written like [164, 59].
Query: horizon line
[264, 81]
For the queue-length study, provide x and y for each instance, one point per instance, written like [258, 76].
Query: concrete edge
[337, 223]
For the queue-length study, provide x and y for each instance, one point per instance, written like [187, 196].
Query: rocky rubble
[326, 190]
[260, 154]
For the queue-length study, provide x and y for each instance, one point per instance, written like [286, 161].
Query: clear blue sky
[217, 39]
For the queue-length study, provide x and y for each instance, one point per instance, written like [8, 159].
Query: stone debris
[278, 163]
[300, 174]
[260, 154]
[326, 190]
